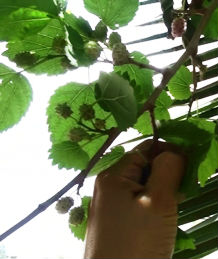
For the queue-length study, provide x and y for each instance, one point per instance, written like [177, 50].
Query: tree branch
[141, 65]
[79, 179]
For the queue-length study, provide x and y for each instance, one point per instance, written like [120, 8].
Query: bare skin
[129, 220]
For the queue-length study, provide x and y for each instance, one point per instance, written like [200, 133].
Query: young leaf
[79, 231]
[110, 11]
[162, 105]
[183, 240]
[143, 124]
[115, 94]
[15, 97]
[75, 95]
[28, 22]
[69, 155]
[140, 79]
[167, 8]
[108, 160]
[179, 85]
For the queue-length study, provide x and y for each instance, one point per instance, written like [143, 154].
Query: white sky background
[28, 178]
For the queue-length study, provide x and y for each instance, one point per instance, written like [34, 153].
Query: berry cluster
[76, 215]
[178, 27]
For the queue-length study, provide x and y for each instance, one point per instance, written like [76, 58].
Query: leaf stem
[147, 66]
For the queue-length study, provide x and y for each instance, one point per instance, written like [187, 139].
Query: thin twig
[142, 65]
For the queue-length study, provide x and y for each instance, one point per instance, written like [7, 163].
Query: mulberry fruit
[64, 204]
[113, 39]
[87, 112]
[76, 216]
[78, 134]
[100, 32]
[120, 54]
[178, 27]
[92, 50]
[64, 110]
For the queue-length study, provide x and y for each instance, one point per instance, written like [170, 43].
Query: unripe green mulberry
[64, 204]
[99, 124]
[92, 50]
[76, 216]
[114, 38]
[87, 112]
[78, 134]
[64, 110]
[100, 32]
[120, 54]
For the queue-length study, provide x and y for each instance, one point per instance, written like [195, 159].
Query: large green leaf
[179, 84]
[69, 155]
[113, 13]
[140, 79]
[79, 231]
[75, 94]
[196, 141]
[15, 97]
[21, 23]
[115, 94]
[43, 52]
[108, 160]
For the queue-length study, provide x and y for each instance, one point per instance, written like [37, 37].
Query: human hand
[129, 220]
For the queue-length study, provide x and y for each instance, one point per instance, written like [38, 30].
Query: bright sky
[28, 178]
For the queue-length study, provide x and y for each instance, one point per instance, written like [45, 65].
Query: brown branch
[79, 179]
[190, 50]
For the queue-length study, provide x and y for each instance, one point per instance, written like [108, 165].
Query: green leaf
[15, 97]
[183, 240]
[140, 79]
[21, 23]
[162, 104]
[8, 6]
[115, 94]
[184, 133]
[79, 231]
[179, 84]
[108, 160]
[78, 24]
[211, 29]
[209, 165]
[114, 13]
[69, 155]
[143, 124]
[61, 5]
[74, 95]
[47, 46]
[40, 44]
